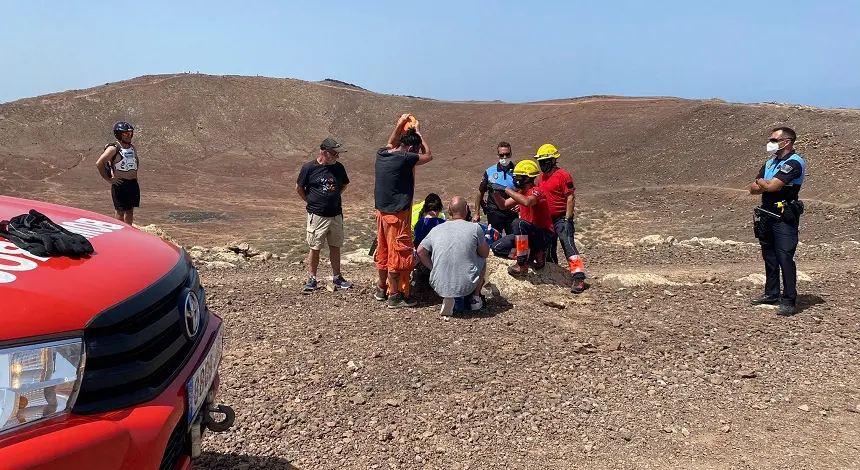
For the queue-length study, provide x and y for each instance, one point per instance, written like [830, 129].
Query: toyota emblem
[191, 316]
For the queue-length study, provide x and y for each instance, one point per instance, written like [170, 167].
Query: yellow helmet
[546, 151]
[527, 168]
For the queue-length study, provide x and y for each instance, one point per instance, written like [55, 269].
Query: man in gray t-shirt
[456, 254]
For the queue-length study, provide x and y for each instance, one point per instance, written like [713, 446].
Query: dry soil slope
[207, 140]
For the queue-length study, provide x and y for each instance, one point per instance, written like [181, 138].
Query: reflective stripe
[576, 265]
[522, 245]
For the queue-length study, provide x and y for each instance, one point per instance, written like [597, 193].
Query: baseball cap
[333, 145]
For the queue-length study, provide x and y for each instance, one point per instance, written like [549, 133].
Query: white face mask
[503, 161]
[772, 147]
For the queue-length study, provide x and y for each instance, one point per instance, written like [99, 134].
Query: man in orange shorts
[393, 194]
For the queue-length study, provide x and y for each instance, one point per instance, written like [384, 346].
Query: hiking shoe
[578, 286]
[341, 283]
[476, 303]
[539, 260]
[786, 310]
[766, 300]
[311, 285]
[380, 294]
[398, 300]
[517, 270]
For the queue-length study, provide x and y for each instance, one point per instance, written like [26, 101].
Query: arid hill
[228, 148]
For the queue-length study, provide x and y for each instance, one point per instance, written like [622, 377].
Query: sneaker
[311, 285]
[398, 300]
[476, 303]
[578, 286]
[766, 300]
[381, 294]
[341, 283]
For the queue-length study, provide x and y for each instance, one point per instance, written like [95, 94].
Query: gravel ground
[659, 376]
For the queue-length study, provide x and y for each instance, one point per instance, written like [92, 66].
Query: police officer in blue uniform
[778, 218]
[496, 178]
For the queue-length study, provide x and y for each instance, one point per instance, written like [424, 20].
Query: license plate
[201, 380]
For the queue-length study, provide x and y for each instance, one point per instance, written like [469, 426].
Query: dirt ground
[680, 373]
[662, 363]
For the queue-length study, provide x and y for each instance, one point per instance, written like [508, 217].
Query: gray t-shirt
[453, 247]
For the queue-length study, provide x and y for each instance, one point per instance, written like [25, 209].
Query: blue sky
[805, 52]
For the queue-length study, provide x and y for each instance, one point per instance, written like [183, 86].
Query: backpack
[39, 235]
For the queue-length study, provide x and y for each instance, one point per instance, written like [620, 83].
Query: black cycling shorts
[125, 195]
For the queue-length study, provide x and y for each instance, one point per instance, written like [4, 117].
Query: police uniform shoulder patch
[495, 176]
[786, 168]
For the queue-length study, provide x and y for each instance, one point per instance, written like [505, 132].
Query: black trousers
[778, 245]
[502, 220]
[565, 231]
[533, 240]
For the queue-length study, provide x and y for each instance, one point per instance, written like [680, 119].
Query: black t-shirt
[788, 171]
[395, 180]
[323, 184]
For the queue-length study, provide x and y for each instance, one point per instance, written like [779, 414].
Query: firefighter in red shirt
[533, 230]
[558, 187]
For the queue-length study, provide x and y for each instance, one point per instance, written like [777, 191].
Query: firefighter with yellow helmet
[533, 230]
[557, 185]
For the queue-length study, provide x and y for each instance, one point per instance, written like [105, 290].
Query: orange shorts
[394, 242]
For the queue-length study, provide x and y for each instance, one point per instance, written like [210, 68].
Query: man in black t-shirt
[393, 192]
[320, 184]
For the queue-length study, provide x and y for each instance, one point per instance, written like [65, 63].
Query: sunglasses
[776, 140]
[507, 154]
[128, 133]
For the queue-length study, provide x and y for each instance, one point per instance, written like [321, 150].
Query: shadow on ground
[219, 461]
[805, 301]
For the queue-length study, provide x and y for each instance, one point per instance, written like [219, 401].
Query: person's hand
[403, 118]
[516, 208]
[115, 181]
[476, 218]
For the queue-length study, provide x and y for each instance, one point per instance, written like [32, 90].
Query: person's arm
[482, 189]
[571, 204]
[103, 161]
[343, 188]
[394, 138]
[483, 246]
[571, 198]
[301, 182]
[424, 256]
[425, 156]
[515, 198]
[754, 187]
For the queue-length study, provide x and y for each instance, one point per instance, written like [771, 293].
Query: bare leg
[383, 278]
[129, 216]
[120, 215]
[334, 254]
[313, 262]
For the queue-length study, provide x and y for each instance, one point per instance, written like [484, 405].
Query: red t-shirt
[537, 214]
[556, 187]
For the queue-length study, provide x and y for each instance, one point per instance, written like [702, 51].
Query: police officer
[778, 218]
[496, 178]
